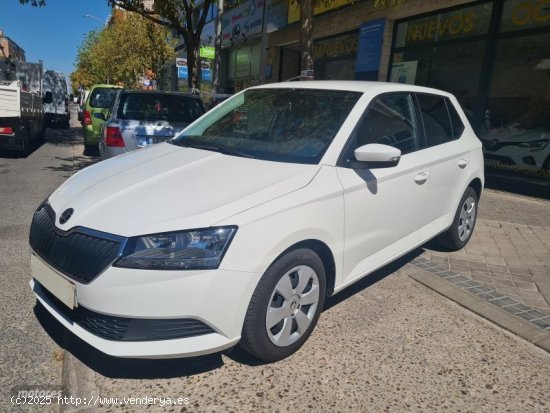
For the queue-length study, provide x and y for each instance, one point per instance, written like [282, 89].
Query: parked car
[238, 229]
[96, 109]
[56, 113]
[141, 117]
[518, 148]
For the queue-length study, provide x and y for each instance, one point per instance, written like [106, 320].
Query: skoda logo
[66, 215]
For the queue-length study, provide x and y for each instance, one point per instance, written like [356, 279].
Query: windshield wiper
[214, 148]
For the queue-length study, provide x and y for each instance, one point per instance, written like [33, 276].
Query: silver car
[140, 118]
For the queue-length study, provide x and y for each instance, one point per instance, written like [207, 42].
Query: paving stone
[518, 270]
[501, 275]
[526, 286]
[535, 295]
[534, 303]
[522, 278]
[506, 290]
[500, 281]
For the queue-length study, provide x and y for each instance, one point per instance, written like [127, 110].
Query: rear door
[449, 161]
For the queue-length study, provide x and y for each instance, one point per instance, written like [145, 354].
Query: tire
[460, 231]
[293, 290]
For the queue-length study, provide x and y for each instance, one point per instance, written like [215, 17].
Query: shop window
[389, 120]
[525, 14]
[454, 68]
[516, 124]
[437, 123]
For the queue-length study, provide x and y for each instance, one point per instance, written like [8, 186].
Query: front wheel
[460, 231]
[285, 306]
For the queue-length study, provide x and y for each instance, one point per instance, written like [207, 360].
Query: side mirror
[99, 116]
[48, 97]
[376, 155]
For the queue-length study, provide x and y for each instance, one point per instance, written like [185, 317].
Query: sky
[52, 33]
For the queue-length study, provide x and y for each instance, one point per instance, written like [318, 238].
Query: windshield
[286, 125]
[156, 106]
[103, 97]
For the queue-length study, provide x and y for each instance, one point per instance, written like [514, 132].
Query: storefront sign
[277, 16]
[181, 65]
[404, 72]
[320, 7]
[469, 21]
[525, 14]
[334, 47]
[207, 52]
[242, 22]
[369, 51]
[208, 34]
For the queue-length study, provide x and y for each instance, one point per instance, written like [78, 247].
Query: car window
[456, 122]
[102, 97]
[155, 106]
[390, 120]
[285, 125]
[437, 122]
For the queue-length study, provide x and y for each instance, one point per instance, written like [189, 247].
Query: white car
[238, 229]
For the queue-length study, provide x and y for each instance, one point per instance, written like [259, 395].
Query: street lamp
[89, 16]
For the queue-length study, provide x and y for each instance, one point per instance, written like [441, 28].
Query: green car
[96, 110]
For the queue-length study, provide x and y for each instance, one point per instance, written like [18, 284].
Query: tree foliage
[184, 17]
[129, 47]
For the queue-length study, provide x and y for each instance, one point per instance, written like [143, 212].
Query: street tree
[186, 18]
[129, 47]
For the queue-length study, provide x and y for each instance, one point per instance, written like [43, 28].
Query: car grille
[78, 255]
[128, 329]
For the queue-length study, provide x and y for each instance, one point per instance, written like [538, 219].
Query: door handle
[463, 162]
[421, 177]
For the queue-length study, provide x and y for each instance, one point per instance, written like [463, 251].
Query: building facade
[10, 49]
[494, 56]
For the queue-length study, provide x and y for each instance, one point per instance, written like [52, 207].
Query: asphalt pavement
[388, 343]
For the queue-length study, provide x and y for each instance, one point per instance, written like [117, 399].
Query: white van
[57, 112]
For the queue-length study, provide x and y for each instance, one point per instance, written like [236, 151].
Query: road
[386, 344]
[28, 356]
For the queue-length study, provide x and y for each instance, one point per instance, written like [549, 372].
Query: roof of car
[351, 85]
[159, 92]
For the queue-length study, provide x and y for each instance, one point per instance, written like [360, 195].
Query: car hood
[166, 188]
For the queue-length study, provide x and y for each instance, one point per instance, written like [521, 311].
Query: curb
[470, 301]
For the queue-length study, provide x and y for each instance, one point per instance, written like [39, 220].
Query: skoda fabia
[238, 229]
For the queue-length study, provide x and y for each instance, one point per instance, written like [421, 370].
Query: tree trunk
[306, 34]
[193, 63]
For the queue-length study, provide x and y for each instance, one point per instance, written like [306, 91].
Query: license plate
[148, 140]
[52, 281]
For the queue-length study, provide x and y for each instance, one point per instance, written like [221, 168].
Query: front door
[383, 207]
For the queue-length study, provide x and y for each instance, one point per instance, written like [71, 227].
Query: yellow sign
[320, 7]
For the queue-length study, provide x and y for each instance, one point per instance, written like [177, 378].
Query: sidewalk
[506, 264]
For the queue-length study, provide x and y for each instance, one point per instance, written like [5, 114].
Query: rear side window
[437, 122]
[102, 97]
[456, 122]
[155, 106]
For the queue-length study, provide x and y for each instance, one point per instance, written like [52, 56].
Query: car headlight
[197, 249]
[534, 146]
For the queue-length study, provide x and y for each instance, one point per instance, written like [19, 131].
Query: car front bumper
[216, 298]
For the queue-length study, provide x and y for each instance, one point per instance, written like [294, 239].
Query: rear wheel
[285, 306]
[460, 231]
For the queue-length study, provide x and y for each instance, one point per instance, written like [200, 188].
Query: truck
[57, 112]
[21, 105]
